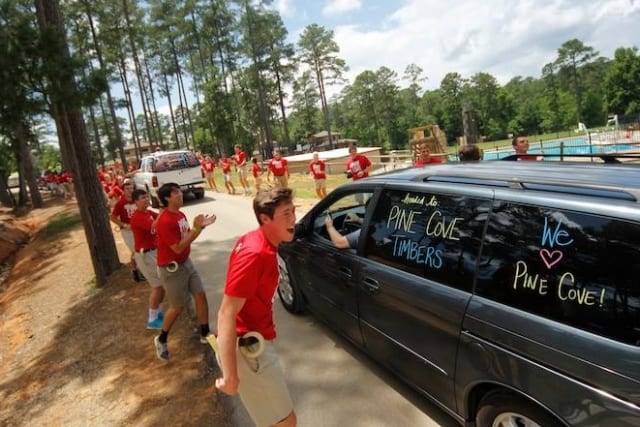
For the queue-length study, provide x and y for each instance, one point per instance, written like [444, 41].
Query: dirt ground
[74, 355]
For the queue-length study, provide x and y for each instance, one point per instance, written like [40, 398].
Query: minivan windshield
[176, 161]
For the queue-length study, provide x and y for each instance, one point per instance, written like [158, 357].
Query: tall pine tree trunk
[171, 113]
[63, 93]
[132, 115]
[112, 109]
[22, 134]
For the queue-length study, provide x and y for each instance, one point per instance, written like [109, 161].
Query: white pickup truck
[181, 167]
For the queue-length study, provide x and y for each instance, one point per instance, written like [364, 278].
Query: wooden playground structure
[430, 137]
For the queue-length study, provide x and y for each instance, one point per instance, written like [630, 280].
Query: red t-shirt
[144, 236]
[115, 191]
[255, 169]
[317, 169]
[208, 166]
[253, 274]
[278, 166]
[171, 228]
[527, 158]
[357, 166]
[240, 158]
[420, 162]
[226, 165]
[123, 209]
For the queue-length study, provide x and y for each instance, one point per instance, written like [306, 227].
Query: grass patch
[305, 187]
[92, 287]
[60, 223]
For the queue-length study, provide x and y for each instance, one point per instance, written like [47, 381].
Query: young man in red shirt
[208, 165]
[240, 158]
[256, 170]
[225, 164]
[317, 170]
[247, 306]
[278, 166]
[521, 146]
[425, 158]
[358, 165]
[143, 227]
[175, 269]
[121, 216]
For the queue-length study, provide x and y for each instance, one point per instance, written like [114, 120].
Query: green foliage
[60, 223]
[622, 82]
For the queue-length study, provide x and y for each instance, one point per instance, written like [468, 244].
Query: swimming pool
[572, 146]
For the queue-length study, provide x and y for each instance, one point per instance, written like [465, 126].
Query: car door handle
[370, 285]
[346, 272]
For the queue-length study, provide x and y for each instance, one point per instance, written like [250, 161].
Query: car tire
[503, 408]
[290, 296]
[198, 193]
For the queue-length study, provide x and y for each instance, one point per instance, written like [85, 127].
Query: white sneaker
[161, 349]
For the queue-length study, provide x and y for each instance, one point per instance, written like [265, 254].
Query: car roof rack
[548, 185]
[605, 157]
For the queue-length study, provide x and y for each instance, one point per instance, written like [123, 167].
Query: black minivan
[506, 292]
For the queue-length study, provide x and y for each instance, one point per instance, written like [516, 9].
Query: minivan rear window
[175, 161]
[575, 268]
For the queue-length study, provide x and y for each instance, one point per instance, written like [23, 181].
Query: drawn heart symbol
[550, 258]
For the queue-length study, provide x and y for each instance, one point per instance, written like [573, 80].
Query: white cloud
[500, 37]
[337, 7]
[285, 8]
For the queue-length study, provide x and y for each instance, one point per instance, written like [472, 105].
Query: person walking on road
[240, 158]
[247, 307]
[175, 269]
[143, 227]
[225, 164]
[358, 165]
[256, 170]
[278, 166]
[208, 166]
[317, 170]
[121, 216]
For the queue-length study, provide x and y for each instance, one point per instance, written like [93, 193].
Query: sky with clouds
[506, 38]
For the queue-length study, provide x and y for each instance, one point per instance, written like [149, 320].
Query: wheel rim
[513, 419]
[284, 286]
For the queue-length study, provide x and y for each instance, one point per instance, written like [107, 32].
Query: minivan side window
[430, 235]
[575, 268]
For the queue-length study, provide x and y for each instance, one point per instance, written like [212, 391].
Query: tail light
[154, 181]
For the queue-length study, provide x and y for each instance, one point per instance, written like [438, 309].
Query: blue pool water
[573, 146]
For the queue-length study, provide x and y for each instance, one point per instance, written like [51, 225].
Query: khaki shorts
[227, 177]
[263, 389]
[320, 183]
[179, 284]
[127, 237]
[281, 181]
[242, 172]
[146, 262]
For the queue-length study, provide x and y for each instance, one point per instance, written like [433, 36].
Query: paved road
[332, 382]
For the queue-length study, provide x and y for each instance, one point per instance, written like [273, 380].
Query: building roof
[330, 154]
